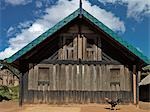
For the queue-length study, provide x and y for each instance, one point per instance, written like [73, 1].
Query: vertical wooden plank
[79, 47]
[128, 80]
[75, 45]
[94, 54]
[54, 77]
[40, 93]
[77, 78]
[25, 86]
[96, 48]
[80, 77]
[57, 76]
[60, 54]
[83, 77]
[88, 78]
[100, 78]
[84, 47]
[94, 78]
[103, 73]
[64, 78]
[64, 48]
[97, 78]
[67, 77]
[60, 77]
[91, 77]
[122, 76]
[35, 77]
[31, 77]
[50, 77]
[99, 51]
[106, 78]
[69, 54]
[45, 88]
[70, 76]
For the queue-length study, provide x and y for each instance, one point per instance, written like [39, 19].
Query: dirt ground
[13, 107]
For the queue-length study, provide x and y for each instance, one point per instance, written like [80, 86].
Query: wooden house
[7, 78]
[79, 60]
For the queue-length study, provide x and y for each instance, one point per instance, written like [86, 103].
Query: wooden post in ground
[20, 89]
[138, 80]
[134, 85]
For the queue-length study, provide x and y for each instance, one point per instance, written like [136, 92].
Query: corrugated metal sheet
[146, 68]
[145, 81]
[67, 20]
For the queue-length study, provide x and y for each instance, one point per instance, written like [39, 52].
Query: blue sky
[21, 21]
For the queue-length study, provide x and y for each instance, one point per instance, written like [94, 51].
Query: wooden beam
[84, 47]
[78, 62]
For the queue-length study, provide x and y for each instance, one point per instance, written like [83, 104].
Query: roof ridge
[65, 21]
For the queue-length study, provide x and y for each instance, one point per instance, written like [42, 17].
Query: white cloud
[8, 52]
[38, 4]
[14, 30]
[54, 14]
[25, 24]
[18, 2]
[135, 8]
[10, 31]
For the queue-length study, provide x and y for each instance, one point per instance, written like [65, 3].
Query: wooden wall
[79, 77]
[88, 83]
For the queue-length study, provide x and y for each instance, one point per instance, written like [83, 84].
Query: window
[43, 75]
[115, 79]
[90, 43]
[115, 75]
[69, 42]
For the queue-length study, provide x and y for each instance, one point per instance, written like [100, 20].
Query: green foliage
[15, 92]
[9, 92]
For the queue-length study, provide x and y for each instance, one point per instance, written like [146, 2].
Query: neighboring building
[145, 85]
[79, 60]
[7, 78]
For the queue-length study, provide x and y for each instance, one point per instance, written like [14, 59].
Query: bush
[15, 92]
[8, 93]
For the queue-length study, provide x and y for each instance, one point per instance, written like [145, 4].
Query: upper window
[90, 43]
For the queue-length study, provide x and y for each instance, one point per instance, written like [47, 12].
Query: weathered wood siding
[77, 83]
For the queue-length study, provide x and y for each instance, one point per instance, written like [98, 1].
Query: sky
[21, 21]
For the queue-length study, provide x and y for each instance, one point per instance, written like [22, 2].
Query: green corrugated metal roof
[67, 20]
[146, 67]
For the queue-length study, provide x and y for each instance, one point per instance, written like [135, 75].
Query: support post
[20, 89]
[138, 81]
[134, 85]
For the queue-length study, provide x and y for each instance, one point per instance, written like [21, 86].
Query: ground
[12, 106]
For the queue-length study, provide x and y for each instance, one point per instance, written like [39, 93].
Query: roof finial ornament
[80, 8]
